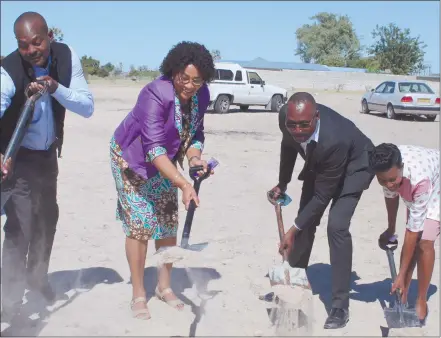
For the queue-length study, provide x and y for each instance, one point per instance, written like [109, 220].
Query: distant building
[260, 63]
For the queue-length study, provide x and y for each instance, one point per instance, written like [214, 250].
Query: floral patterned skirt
[148, 208]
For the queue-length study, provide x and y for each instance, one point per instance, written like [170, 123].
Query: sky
[141, 33]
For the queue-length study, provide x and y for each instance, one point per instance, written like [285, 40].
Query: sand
[221, 284]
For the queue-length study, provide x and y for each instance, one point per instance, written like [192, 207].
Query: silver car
[402, 98]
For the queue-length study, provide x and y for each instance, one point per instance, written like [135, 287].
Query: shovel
[176, 253]
[17, 137]
[284, 274]
[398, 316]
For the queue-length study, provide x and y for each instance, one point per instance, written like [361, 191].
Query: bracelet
[189, 160]
[177, 176]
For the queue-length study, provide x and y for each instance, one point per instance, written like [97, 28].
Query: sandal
[144, 313]
[175, 303]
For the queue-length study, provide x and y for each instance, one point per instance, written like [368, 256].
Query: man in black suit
[336, 168]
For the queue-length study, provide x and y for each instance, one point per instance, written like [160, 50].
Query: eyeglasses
[185, 79]
[301, 125]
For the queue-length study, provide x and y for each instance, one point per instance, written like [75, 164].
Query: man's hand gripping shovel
[176, 253]
[284, 274]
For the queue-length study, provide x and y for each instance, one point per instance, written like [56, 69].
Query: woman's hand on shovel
[398, 285]
[189, 194]
[195, 161]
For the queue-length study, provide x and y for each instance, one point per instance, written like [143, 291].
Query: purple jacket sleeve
[149, 111]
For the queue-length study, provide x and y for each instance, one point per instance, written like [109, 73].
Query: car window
[380, 88]
[254, 78]
[224, 75]
[238, 76]
[414, 87]
[389, 88]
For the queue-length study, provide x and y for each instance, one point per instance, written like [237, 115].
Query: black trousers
[32, 216]
[339, 240]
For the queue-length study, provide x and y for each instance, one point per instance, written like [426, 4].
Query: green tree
[56, 34]
[102, 72]
[370, 63]
[330, 40]
[133, 72]
[118, 69]
[397, 50]
[216, 54]
[90, 65]
[108, 67]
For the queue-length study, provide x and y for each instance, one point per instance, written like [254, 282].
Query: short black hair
[302, 97]
[384, 157]
[189, 53]
[30, 16]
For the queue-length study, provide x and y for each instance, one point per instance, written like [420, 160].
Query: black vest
[22, 74]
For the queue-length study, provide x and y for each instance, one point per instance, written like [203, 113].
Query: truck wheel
[222, 104]
[276, 103]
[244, 108]
[431, 117]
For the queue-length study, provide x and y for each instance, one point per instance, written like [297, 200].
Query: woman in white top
[412, 173]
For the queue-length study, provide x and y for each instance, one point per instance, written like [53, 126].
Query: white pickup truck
[235, 85]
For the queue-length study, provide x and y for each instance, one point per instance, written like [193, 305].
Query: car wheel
[244, 108]
[364, 107]
[391, 112]
[431, 117]
[222, 105]
[276, 103]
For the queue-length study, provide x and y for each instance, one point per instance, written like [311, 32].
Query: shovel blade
[284, 274]
[195, 247]
[394, 320]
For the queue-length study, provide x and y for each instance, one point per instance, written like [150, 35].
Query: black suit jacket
[338, 164]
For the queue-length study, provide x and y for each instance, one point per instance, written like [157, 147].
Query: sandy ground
[221, 285]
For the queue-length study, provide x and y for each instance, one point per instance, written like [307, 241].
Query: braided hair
[384, 157]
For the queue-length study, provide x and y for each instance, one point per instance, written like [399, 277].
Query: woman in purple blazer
[165, 126]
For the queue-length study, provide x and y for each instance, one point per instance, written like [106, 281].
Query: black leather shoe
[337, 318]
[44, 289]
[48, 293]
[9, 313]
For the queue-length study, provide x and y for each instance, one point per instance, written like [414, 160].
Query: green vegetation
[397, 50]
[331, 40]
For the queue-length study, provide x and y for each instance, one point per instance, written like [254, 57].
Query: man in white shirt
[32, 210]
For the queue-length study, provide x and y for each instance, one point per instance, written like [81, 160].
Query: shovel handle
[190, 214]
[192, 207]
[393, 273]
[280, 226]
[26, 115]
[392, 267]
